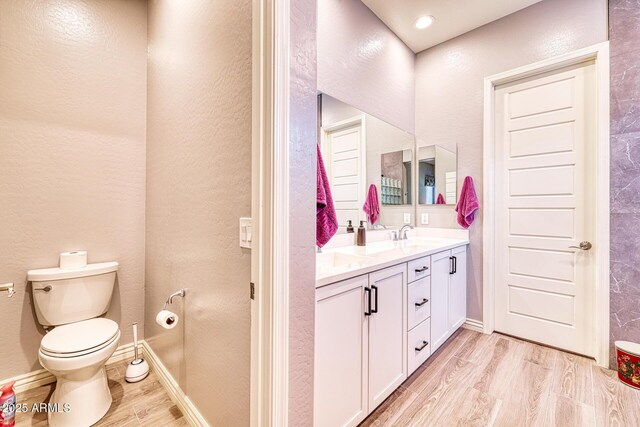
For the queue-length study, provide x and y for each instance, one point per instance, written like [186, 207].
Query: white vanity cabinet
[341, 353]
[375, 329]
[448, 294]
[387, 339]
[360, 345]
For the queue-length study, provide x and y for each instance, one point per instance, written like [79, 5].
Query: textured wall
[72, 144]
[363, 63]
[449, 91]
[624, 33]
[302, 204]
[198, 185]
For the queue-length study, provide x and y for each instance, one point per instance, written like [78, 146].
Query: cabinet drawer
[418, 302]
[419, 268]
[418, 346]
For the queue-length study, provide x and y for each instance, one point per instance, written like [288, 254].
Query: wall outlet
[407, 218]
[424, 219]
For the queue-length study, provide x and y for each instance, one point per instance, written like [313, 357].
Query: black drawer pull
[420, 270]
[423, 302]
[422, 347]
[367, 292]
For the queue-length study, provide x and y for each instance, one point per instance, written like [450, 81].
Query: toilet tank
[62, 296]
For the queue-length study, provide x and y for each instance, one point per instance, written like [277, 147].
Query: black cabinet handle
[367, 311]
[423, 302]
[455, 265]
[422, 347]
[420, 270]
[450, 265]
[375, 299]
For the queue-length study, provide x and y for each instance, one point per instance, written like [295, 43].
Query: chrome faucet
[403, 233]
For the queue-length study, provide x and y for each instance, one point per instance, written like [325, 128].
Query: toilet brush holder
[138, 369]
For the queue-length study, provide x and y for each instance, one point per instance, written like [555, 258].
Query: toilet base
[81, 399]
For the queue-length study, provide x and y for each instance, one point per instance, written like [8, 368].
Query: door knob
[585, 246]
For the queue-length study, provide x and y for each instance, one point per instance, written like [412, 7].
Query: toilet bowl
[69, 303]
[76, 354]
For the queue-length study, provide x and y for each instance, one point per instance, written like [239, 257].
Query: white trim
[42, 377]
[473, 325]
[177, 395]
[600, 54]
[270, 212]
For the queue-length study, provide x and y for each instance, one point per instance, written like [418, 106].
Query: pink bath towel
[326, 219]
[467, 203]
[371, 205]
[440, 200]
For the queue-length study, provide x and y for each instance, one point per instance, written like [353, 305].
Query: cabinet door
[458, 289]
[387, 333]
[440, 272]
[341, 354]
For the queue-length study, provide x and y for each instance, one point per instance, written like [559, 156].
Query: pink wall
[302, 203]
[198, 185]
[624, 26]
[72, 144]
[363, 63]
[449, 91]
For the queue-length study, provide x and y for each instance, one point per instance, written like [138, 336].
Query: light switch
[407, 218]
[424, 219]
[246, 233]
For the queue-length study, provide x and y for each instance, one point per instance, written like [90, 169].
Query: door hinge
[252, 290]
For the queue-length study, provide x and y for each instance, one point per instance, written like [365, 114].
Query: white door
[545, 203]
[441, 269]
[341, 354]
[344, 159]
[458, 289]
[387, 338]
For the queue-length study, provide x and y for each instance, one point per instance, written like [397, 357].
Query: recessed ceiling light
[424, 22]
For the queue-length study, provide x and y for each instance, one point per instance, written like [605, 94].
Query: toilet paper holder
[181, 293]
[9, 288]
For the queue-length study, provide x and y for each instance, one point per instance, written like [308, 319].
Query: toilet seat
[79, 338]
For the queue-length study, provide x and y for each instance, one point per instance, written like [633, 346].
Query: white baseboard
[188, 409]
[474, 325]
[42, 377]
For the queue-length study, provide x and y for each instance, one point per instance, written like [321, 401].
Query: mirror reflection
[437, 174]
[360, 150]
[396, 177]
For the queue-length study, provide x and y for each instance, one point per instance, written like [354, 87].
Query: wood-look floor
[496, 380]
[145, 403]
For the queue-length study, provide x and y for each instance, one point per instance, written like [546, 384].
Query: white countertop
[343, 262]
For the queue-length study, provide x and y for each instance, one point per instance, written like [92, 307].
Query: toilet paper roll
[75, 259]
[167, 319]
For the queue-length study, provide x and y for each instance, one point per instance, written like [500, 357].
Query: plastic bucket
[628, 358]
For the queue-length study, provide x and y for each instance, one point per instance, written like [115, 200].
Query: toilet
[68, 303]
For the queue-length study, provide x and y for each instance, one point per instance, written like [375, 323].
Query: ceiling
[452, 17]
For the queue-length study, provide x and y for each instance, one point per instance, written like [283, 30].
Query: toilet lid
[79, 337]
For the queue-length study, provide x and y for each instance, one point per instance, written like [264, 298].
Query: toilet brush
[138, 369]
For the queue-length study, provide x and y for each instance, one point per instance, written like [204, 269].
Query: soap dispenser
[350, 227]
[361, 239]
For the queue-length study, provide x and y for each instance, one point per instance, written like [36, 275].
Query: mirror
[396, 177]
[437, 175]
[358, 150]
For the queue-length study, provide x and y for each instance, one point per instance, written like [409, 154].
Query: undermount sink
[337, 259]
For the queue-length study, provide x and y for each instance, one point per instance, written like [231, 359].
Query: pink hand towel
[371, 205]
[467, 204]
[440, 200]
[326, 218]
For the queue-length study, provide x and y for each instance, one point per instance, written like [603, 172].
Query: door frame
[600, 54]
[343, 124]
[271, 45]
